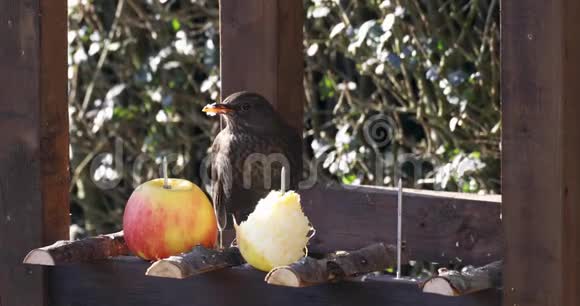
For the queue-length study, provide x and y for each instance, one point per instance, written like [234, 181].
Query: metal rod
[283, 180]
[399, 226]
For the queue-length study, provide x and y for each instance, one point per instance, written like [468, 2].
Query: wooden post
[34, 137]
[261, 51]
[541, 151]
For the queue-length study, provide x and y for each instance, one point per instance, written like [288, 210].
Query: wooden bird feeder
[527, 242]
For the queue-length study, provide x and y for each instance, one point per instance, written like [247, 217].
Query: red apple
[162, 221]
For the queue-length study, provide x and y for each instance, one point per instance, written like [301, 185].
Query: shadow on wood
[437, 226]
[122, 282]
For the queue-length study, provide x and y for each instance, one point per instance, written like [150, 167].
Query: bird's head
[244, 109]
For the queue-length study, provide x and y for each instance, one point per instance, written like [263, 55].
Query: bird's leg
[222, 222]
[220, 234]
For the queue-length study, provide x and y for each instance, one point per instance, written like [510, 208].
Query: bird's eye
[245, 107]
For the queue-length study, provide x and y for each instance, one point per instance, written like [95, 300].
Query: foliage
[140, 71]
[407, 89]
[386, 82]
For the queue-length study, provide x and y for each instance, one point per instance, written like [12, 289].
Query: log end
[39, 257]
[283, 276]
[164, 268]
[439, 285]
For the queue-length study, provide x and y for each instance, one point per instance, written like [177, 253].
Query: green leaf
[175, 24]
[440, 46]
[465, 187]
[475, 154]
[327, 87]
[348, 179]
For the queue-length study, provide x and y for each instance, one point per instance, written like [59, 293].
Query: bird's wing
[220, 181]
[219, 205]
[289, 146]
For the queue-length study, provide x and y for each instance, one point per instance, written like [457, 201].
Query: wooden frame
[541, 142]
[541, 146]
[34, 155]
[261, 51]
[122, 282]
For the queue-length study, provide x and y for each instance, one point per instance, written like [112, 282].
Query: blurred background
[400, 88]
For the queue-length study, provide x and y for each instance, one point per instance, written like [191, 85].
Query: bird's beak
[215, 108]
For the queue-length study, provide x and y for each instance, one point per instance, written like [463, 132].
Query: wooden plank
[261, 51]
[570, 189]
[34, 151]
[440, 227]
[122, 282]
[444, 227]
[53, 120]
[541, 145]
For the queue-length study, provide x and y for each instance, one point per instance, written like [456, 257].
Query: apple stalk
[165, 178]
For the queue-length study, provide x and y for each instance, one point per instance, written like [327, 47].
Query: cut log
[468, 280]
[66, 251]
[308, 271]
[199, 260]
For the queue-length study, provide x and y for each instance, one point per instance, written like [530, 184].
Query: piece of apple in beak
[216, 108]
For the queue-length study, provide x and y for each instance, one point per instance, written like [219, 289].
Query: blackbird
[249, 153]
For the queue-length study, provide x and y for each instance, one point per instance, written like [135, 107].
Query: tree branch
[309, 271]
[65, 251]
[199, 260]
[468, 280]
